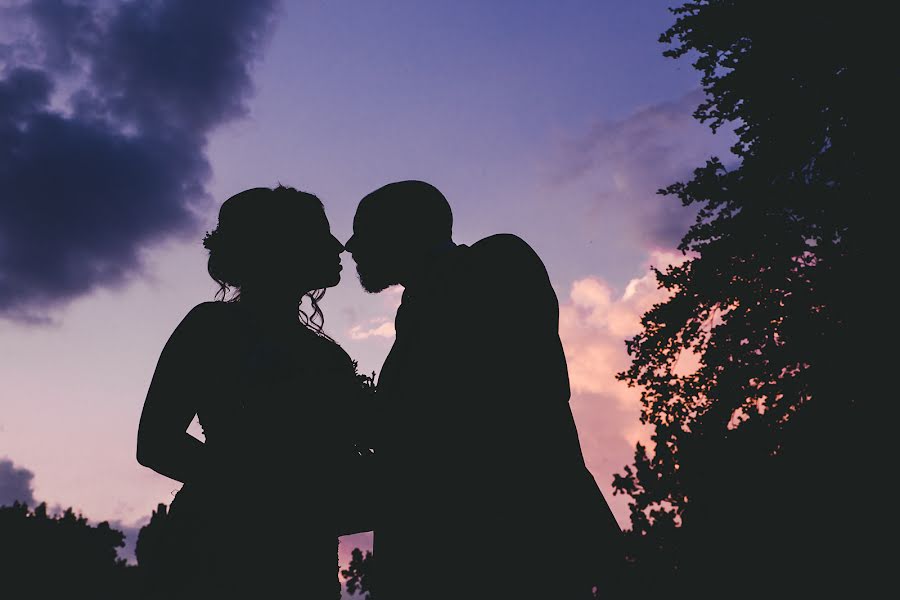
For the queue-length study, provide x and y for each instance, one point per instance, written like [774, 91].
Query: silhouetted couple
[477, 487]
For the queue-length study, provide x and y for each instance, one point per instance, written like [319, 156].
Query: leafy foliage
[56, 556]
[358, 574]
[764, 302]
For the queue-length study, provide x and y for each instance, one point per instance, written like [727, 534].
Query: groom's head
[395, 228]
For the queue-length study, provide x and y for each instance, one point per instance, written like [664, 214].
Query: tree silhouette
[60, 556]
[149, 544]
[359, 574]
[165, 556]
[748, 448]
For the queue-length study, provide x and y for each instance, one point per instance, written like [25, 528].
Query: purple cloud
[15, 484]
[628, 160]
[105, 110]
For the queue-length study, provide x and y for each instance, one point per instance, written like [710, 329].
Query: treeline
[49, 556]
[755, 485]
[61, 556]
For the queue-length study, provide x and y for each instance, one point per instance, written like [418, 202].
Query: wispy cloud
[380, 327]
[626, 161]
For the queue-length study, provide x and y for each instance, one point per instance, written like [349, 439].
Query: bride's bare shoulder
[210, 314]
[209, 323]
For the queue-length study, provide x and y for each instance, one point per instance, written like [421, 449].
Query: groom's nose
[351, 243]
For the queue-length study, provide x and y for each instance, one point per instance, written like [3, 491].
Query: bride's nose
[338, 246]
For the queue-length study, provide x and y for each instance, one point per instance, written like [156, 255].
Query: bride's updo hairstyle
[254, 226]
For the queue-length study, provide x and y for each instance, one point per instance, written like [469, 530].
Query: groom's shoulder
[508, 253]
[502, 241]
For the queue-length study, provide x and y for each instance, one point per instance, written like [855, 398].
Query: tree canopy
[53, 556]
[764, 304]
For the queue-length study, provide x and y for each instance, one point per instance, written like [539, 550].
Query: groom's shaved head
[411, 210]
[394, 228]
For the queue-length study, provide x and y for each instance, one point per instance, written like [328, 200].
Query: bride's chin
[329, 280]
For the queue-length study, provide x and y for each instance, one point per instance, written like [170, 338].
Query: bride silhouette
[260, 509]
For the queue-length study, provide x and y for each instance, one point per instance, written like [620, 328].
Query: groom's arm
[521, 379]
[518, 318]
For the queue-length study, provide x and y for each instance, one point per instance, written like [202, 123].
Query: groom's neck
[425, 263]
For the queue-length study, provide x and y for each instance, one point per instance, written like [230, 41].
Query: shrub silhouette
[359, 574]
[50, 556]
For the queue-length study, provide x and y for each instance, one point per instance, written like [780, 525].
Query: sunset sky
[123, 128]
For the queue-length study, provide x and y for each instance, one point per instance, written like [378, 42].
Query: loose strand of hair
[315, 322]
[224, 289]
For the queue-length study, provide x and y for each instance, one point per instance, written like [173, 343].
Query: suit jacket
[481, 473]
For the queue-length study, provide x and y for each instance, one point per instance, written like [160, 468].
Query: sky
[124, 125]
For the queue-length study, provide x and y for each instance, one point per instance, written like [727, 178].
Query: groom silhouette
[482, 490]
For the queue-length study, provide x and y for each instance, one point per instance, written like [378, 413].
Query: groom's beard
[372, 281]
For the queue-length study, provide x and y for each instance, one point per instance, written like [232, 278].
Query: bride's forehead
[302, 215]
[306, 227]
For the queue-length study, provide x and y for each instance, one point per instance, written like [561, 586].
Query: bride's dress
[277, 419]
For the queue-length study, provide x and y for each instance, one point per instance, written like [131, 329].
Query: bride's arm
[163, 443]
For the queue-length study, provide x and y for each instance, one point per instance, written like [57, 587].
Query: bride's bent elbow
[141, 456]
[146, 455]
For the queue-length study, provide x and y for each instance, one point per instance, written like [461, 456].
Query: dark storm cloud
[630, 159]
[15, 484]
[65, 30]
[105, 109]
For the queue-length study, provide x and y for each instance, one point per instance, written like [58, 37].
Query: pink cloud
[381, 326]
[378, 327]
[595, 320]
